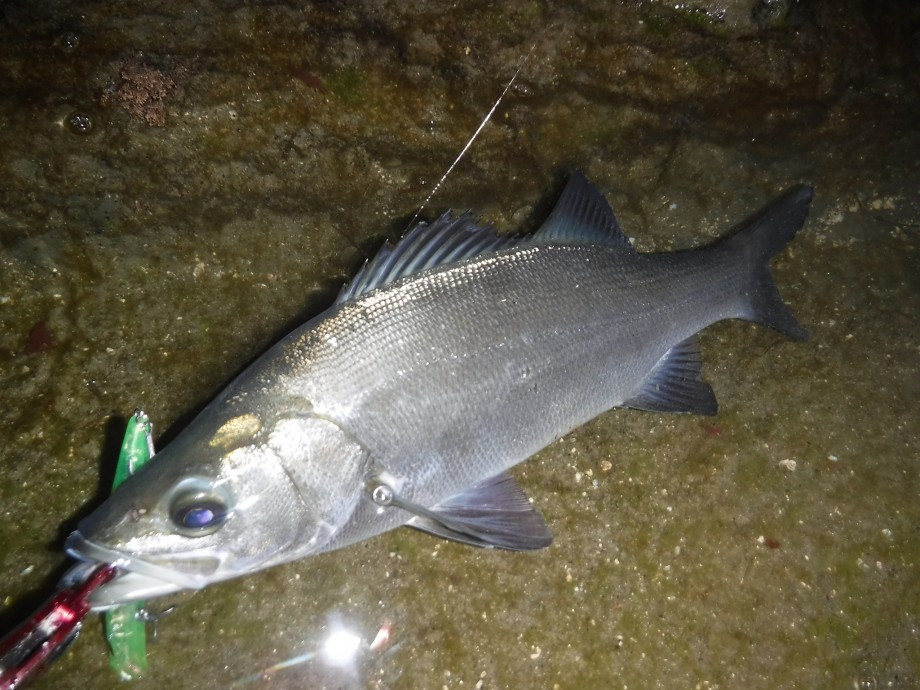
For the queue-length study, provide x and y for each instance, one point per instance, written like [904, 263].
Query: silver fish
[449, 359]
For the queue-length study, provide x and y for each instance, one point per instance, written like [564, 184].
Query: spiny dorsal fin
[583, 216]
[675, 383]
[425, 246]
[493, 513]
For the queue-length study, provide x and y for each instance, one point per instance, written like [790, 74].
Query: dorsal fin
[583, 216]
[425, 246]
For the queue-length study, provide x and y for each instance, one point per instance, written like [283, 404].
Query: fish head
[225, 498]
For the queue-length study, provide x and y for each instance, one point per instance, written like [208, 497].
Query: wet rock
[729, 17]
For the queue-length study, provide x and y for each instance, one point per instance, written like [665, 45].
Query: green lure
[125, 630]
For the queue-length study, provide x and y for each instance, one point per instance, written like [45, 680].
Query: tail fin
[758, 242]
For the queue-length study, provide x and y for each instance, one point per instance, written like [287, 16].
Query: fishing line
[472, 138]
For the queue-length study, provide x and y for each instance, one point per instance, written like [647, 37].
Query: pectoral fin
[493, 513]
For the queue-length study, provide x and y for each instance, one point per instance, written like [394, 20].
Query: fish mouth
[137, 579]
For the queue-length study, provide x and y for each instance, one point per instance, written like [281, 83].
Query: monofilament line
[472, 138]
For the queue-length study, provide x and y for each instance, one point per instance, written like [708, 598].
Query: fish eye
[198, 513]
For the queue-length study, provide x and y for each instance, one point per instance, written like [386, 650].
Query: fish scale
[587, 349]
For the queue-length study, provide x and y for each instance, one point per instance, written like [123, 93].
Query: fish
[451, 357]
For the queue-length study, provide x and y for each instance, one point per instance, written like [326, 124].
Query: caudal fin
[758, 242]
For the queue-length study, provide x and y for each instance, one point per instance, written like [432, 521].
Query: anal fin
[493, 513]
[675, 383]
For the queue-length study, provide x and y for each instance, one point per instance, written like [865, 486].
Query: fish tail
[758, 242]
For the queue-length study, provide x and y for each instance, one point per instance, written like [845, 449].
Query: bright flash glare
[341, 647]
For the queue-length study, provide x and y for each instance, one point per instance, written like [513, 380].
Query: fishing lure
[125, 625]
[47, 634]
